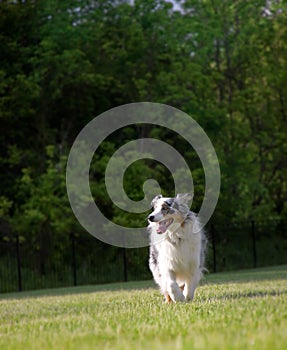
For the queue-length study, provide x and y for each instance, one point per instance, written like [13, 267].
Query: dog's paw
[178, 298]
[175, 293]
[189, 299]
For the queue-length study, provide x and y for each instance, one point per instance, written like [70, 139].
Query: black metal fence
[25, 266]
[247, 245]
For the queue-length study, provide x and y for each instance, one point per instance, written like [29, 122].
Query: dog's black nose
[151, 217]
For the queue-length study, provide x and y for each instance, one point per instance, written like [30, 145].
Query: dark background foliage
[62, 63]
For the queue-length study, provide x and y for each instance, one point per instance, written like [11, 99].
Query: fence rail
[89, 261]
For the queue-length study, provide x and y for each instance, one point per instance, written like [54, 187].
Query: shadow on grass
[243, 276]
[138, 285]
[260, 274]
[250, 295]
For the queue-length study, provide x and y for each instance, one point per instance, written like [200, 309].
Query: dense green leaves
[63, 63]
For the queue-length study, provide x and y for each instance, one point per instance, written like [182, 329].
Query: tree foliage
[64, 62]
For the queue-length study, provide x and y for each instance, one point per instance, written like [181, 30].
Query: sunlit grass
[231, 311]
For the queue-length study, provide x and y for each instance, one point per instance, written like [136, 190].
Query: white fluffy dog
[177, 247]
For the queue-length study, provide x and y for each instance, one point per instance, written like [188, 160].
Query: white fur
[176, 256]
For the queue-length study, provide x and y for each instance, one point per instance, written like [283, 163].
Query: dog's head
[169, 210]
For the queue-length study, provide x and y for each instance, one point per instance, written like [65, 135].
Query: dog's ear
[183, 201]
[156, 198]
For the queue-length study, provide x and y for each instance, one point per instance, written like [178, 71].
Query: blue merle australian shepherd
[177, 247]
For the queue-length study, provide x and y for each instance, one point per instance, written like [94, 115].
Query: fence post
[213, 247]
[125, 264]
[253, 233]
[74, 263]
[19, 272]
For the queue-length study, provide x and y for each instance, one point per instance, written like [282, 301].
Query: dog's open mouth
[163, 225]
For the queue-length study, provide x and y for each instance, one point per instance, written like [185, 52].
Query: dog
[177, 247]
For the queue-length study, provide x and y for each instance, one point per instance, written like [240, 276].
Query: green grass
[242, 310]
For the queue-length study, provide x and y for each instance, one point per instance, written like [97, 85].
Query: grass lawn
[240, 310]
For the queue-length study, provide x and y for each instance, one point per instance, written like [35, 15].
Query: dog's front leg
[191, 286]
[173, 288]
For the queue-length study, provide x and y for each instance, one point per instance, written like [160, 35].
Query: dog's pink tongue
[161, 227]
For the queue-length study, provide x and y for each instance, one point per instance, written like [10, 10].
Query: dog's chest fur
[179, 251]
